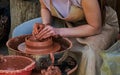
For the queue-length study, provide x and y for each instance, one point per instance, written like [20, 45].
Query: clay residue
[51, 70]
[12, 63]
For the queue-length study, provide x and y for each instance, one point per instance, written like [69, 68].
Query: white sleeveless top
[63, 6]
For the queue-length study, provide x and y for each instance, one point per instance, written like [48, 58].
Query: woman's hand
[41, 31]
[46, 32]
[37, 28]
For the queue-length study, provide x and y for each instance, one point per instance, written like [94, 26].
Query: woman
[84, 23]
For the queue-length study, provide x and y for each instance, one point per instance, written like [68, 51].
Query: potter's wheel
[56, 47]
[14, 43]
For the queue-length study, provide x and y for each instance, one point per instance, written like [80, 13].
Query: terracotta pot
[16, 65]
[33, 46]
[34, 43]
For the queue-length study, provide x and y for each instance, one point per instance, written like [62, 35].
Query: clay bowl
[34, 46]
[16, 65]
[13, 43]
[36, 43]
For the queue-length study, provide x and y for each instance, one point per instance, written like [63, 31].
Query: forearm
[80, 31]
[46, 17]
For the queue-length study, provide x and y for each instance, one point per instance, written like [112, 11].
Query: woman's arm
[45, 14]
[93, 16]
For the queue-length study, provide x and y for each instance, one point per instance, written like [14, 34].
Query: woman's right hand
[46, 32]
[41, 31]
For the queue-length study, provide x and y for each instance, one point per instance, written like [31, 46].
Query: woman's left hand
[46, 32]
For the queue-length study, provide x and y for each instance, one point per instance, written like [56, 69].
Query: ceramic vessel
[34, 46]
[36, 43]
[16, 65]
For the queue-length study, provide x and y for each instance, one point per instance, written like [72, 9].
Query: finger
[49, 68]
[44, 32]
[45, 29]
[51, 73]
[43, 72]
[39, 36]
[41, 26]
[56, 67]
[48, 73]
[45, 36]
[38, 29]
[35, 28]
[49, 31]
[52, 67]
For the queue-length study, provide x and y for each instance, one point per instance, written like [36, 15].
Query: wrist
[47, 23]
[58, 32]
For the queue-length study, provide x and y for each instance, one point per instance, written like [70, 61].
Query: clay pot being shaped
[33, 46]
[16, 65]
